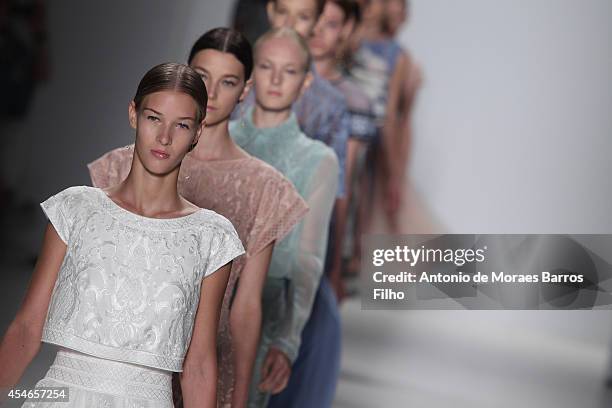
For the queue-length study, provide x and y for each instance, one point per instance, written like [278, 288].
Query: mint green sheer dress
[297, 261]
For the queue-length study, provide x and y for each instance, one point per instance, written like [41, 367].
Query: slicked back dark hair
[171, 76]
[350, 8]
[226, 40]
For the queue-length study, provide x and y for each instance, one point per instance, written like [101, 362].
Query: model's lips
[159, 154]
[274, 93]
[210, 108]
[315, 44]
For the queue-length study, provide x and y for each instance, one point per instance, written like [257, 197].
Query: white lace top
[129, 286]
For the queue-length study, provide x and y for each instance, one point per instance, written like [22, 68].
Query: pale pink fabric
[260, 202]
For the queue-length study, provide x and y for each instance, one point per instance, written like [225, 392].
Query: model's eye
[183, 126]
[153, 118]
[304, 17]
[229, 83]
[264, 65]
[291, 71]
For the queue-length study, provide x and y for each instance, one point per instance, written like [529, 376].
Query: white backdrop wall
[514, 122]
[512, 127]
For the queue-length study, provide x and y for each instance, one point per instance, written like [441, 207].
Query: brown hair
[350, 8]
[171, 76]
[320, 6]
[229, 41]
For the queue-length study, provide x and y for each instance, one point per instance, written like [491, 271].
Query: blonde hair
[285, 32]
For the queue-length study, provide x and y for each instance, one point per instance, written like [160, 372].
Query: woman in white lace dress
[125, 283]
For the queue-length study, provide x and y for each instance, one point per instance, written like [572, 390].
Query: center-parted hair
[226, 40]
[171, 76]
[290, 33]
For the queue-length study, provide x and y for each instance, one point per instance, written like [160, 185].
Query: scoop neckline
[116, 208]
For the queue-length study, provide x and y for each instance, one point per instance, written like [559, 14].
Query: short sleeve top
[129, 286]
[372, 68]
[361, 115]
[294, 154]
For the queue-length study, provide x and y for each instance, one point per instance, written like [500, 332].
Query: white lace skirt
[93, 382]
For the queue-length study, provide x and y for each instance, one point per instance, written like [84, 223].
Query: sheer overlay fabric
[322, 114]
[129, 286]
[297, 261]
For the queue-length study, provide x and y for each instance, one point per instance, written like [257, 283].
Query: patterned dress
[124, 303]
[259, 201]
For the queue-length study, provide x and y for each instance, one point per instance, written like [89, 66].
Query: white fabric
[96, 383]
[129, 286]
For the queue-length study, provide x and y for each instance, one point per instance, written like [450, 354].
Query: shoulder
[266, 173]
[119, 154]
[112, 167]
[216, 222]
[315, 151]
[76, 193]
[262, 180]
[414, 68]
[219, 232]
[356, 99]
[72, 201]
[325, 92]
[396, 53]
[328, 157]
[395, 46]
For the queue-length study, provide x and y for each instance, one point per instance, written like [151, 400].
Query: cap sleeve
[280, 209]
[225, 245]
[58, 211]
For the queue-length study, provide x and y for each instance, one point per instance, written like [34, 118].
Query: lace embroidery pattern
[129, 286]
[260, 202]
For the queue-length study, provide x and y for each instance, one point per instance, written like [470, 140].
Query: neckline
[219, 161]
[337, 81]
[284, 128]
[116, 209]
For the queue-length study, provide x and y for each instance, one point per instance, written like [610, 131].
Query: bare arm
[390, 140]
[199, 376]
[393, 117]
[245, 321]
[412, 83]
[21, 342]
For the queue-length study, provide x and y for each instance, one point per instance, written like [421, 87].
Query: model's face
[372, 12]
[166, 127]
[395, 13]
[223, 76]
[301, 15]
[329, 32]
[279, 74]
